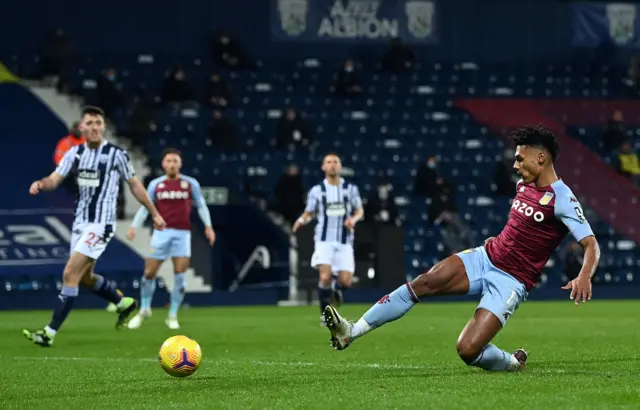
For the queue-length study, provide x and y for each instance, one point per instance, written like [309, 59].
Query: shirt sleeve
[66, 165]
[196, 192]
[124, 165]
[356, 200]
[312, 200]
[569, 211]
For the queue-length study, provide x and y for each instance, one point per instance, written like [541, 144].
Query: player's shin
[106, 290]
[495, 359]
[66, 299]
[147, 289]
[324, 295]
[177, 294]
[391, 307]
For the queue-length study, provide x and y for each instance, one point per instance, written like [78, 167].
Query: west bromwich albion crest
[622, 18]
[293, 16]
[546, 198]
[420, 18]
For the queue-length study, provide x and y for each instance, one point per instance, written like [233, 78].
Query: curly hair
[537, 136]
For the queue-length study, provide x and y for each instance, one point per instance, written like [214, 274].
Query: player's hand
[580, 288]
[131, 233]
[298, 223]
[350, 223]
[159, 223]
[36, 187]
[489, 239]
[210, 234]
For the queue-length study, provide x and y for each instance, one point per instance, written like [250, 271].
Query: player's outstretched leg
[73, 271]
[124, 306]
[446, 278]
[180, 265]
[475, 350]
[147, 289]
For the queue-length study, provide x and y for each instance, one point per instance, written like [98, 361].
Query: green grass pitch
[583, 357]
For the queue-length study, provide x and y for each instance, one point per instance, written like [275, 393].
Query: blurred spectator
[176, 89]
[614, 135]
[289, 194]
[424, 183]
[628, 164]
[398, 57]
[217, 93]
[223, 132]
[347, 82]
[55, 53]
[381, 206]
[443, 212]
[228, 51]
[292, 130]
[141, 121]
[504, 177]
[65, 144]
[111, 95]
[573, 257]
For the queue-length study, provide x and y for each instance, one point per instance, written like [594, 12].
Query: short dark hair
[168, 151]
[92, 110]
[537, 136]
[329, 154]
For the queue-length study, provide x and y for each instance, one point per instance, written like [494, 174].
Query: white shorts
[337, 255]
[91, 239]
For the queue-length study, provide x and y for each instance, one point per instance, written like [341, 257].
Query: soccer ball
[180, 356]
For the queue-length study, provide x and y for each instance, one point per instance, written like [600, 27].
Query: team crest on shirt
[184, 184]
[546, 198]
[521, 189]
[161, 185]
[104, 158]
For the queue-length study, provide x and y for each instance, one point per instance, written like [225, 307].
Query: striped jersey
[333, 204]
[98, 173]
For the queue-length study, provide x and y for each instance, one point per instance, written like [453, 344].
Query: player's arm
[123, 163]
[569, 211]
[358, 209]
[203, 210]
[143, 213]
[309, 211]
[53, 180]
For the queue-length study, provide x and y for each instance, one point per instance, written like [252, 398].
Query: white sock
[513, 365]
[50, 332]
[361, 327]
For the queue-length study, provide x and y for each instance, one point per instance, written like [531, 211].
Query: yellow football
[180, 356]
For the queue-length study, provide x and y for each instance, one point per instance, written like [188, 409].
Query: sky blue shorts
[170, 243]
[501, 292]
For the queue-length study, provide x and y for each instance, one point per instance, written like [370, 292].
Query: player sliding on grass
[505, 269]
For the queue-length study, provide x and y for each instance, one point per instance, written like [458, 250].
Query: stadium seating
[398, 121]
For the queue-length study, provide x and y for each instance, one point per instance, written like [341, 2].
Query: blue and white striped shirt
[97, 172]
[333, 204]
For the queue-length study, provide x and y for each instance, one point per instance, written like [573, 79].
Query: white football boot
[172, 323]
[137, 320]
[340, 328]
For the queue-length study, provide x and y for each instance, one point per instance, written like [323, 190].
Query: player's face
[528, 163]
[92, 127]
[171, 164]
[331, 166]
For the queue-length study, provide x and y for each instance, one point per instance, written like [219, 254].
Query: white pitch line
[228, 362]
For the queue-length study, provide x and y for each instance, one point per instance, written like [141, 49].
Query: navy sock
[66, 300]
[324, 296]
[106, 290]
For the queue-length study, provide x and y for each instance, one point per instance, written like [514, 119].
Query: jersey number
[93, 239]
[579, 213]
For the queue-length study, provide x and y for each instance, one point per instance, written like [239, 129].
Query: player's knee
[467, 350]
[149, 274]
[345, 281]
[325, 275]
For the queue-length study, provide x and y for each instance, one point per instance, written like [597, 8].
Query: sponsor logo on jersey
[173, 195]
[527, 210]
[88, 178]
